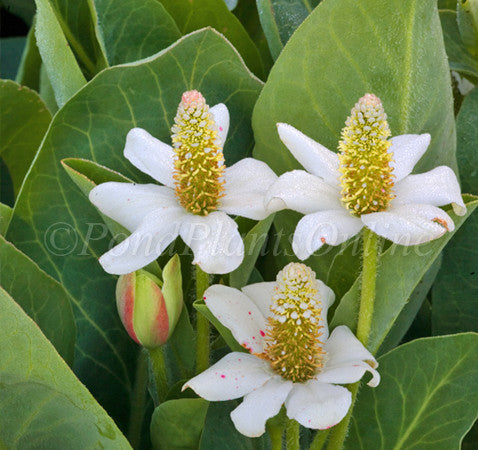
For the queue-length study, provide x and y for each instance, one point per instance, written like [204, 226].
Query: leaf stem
[158, 364]
[364, 325]
[138, 398]
[293, 434]
[202, 324]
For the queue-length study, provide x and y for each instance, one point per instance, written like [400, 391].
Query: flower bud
[149, 308]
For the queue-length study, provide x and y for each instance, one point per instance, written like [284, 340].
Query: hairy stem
[158, 364]
[367, 300]
[202, 324]
[293, 434]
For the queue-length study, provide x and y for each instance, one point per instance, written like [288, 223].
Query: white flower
[294, 361]
[367, 184]
[198, 193]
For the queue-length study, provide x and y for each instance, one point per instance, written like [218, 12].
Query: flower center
[292, 344]
[367, 178]
[199, 162]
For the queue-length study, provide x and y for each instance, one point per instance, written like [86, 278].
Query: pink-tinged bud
[149, 308]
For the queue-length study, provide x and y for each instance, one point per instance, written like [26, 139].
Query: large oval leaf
[346, 48]
[427, 398]
[455, 299]
[24, 120]
[93, 125]
[43, 404]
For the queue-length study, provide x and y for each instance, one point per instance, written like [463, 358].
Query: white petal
[221, 117]
[247, 183]
[150, 155]
[407, 150]
[314, 157]
[302, 192]
[214, 240]
[157, 230]
[233, 376]
[129, 203]
[437, 187]
[237, 312]
[346, 359]
[326, 297]
[261, 295]
[324, 227]
[318, 405]
[410, 224]
[261, 404]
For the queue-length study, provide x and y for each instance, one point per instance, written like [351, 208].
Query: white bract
[292, 360]
[198, 193]
[369, 183]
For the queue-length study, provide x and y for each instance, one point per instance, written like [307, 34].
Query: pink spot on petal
[204, 298]
[262, 333]
[253, 337]
[250, 313]
[220, 128]
[223, 376]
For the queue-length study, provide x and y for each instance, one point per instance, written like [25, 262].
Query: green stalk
[158, 364]
[202, 324]
[293, 434]
[319, 440]
[367, 299]
[369, 276]
[138, 398]
[275, 434]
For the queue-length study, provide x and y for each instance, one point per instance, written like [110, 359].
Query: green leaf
[219, 432]
[180, 353]
[86, 175]
[226, 334]
[93, 125]
[42, 298]
[10, 56]
[455, 303]
[253, 243]
[344, 49]
[29, 71]
[427, 398]
[24, 120]
[398, 55]
[280, 18]
[78, 26]
[177, 424]
[410, 310]
[191, 15]
[400, 270]
[43, 404]
[133, 29]
[63, 71]
[5, 216]
[458, 56]
[22, 8]
[345, 268]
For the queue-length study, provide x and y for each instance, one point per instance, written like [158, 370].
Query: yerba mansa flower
[367, 184]
[198, 194]
[292, 360]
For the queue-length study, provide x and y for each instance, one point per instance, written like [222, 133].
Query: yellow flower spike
[292, 344]
[367, 178]
[199, 161]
